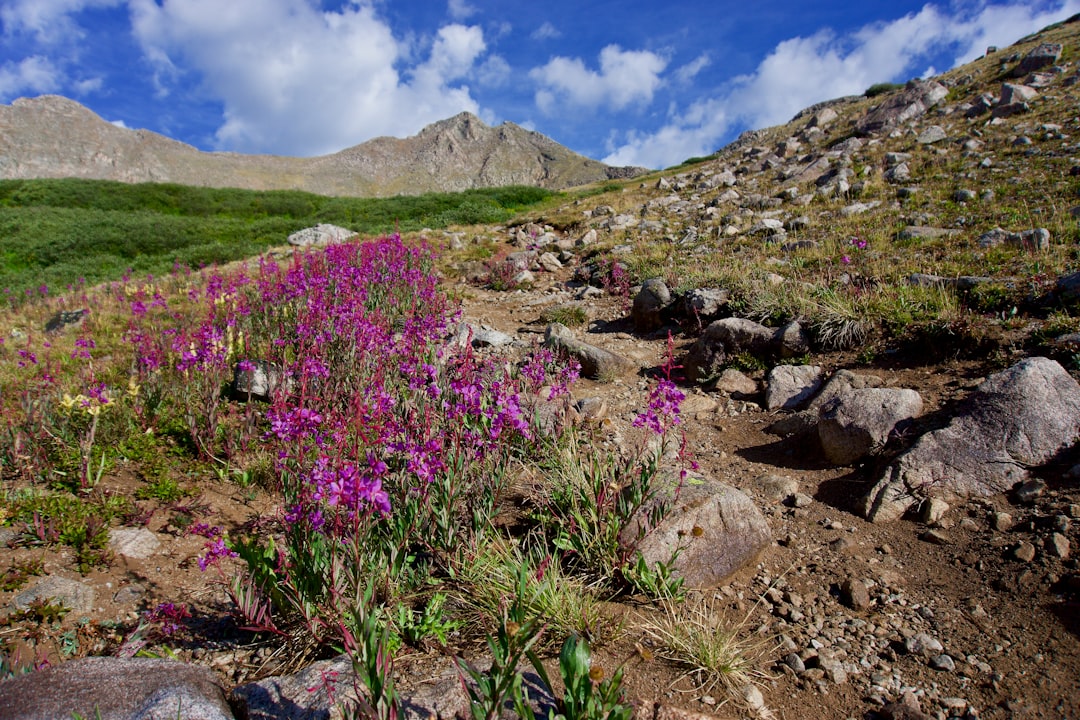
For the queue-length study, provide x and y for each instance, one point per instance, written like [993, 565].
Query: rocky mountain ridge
[51, 136]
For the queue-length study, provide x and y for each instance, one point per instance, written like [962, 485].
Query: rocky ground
[974, 611]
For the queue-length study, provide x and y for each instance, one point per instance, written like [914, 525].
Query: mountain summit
[52, 136]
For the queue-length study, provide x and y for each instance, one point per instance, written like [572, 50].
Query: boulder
[596, 363]
[115, 688]
[716, 529]
[931, 135]
[1013, 94]
[649, 304]
[858, 424]
[726, 339]
[72, 594]
[843, 382]
[918, 97]
[705, 302]
[64, 318]
[1067, 288]
[1015, 420]
[321, 235]
[317, 690]
[788, 386]
[1041, 56]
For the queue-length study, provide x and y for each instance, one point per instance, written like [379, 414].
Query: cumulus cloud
[296, 80]
[804, 70]
[35, 74]
[625, 77]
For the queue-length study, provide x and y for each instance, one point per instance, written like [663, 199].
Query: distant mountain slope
[52, 136]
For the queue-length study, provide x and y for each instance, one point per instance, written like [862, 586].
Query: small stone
[1024, 552]
[854, 594]
[137, 543]
[1031, 490]
[777, 487]
[931, 135]
[933, 510]
[936, 537]
[923, 644]
[801, 500]
[793, 661]
[834, 671]
[1001, 521]
[1058, 545]
[943, 662]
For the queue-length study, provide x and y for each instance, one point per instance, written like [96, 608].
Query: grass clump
[695, 636]
[570, 315]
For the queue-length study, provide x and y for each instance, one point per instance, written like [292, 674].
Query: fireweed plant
[391, 445]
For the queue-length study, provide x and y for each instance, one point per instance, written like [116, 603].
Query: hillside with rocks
[873, 312]
[54, 137]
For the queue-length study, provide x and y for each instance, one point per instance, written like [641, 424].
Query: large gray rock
[321, 235]
[72, 594]
[788, 386]
[705, 303]
[729, 338]
[716, 528]
[115, 689]
[649, 304]
[918, 97]
[1017, 419]
[1013, 94]
[305, 695]
[1067, 288]
[1041, 56]
[596, 363]
[859, 424]
[842, 383]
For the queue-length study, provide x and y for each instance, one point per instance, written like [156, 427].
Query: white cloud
[460, 9]
[297, 80]
[690, 70]
[547, 31]
[49, 27]
[804, 70]
[88, 85]
[494, 72]
[119, 124]
[49, 21]
[34, 74]
[625, 77]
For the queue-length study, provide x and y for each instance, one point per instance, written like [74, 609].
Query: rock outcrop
[1017, 419]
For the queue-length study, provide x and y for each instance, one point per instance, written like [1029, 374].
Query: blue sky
[627, 81]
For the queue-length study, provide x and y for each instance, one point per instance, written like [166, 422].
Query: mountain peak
[53, 136]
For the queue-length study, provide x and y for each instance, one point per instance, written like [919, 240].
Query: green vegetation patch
[65, 232]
